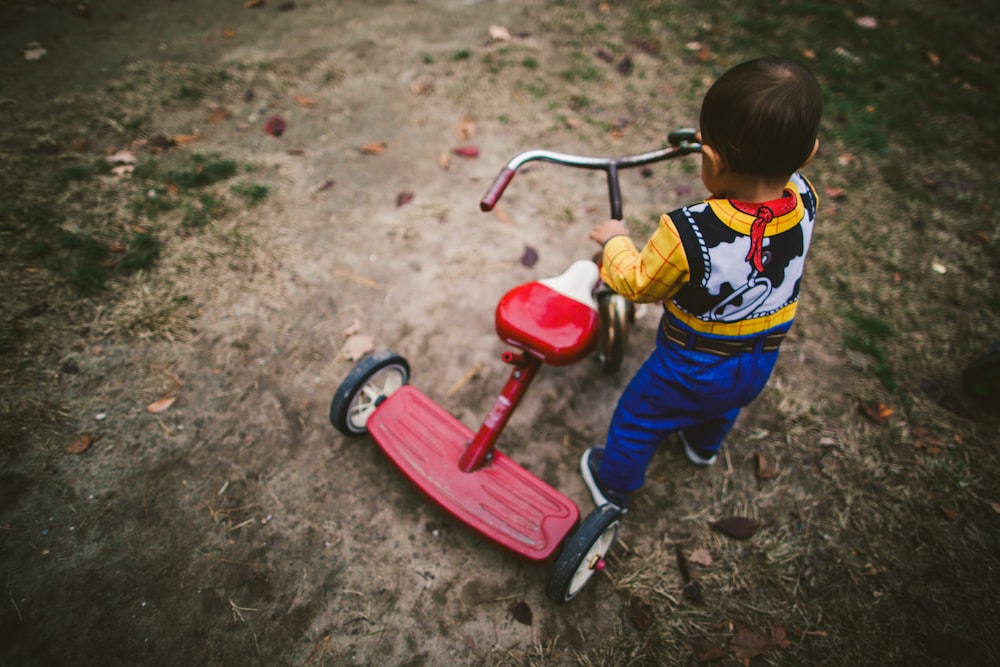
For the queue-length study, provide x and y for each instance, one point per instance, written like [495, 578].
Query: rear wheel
[370, 382]
[616, 314]
[583, 553]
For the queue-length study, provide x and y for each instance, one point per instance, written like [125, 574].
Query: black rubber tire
[981, 378]
[616, 314]
[590, 543]
[372, 380]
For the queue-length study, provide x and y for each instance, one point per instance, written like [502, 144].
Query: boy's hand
[604, 231]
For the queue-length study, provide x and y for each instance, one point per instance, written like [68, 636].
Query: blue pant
[679, 389]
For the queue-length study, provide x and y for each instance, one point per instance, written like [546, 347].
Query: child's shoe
[590, 463]
[693, 456]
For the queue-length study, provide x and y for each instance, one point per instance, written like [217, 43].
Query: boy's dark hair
[762, 116]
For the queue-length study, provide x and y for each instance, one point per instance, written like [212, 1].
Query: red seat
[538, 319]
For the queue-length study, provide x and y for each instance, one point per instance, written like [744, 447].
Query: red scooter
[557, 321]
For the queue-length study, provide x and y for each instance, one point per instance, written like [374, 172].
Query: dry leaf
[81, 443]
[123, 170]
[305, 101]
[357, 346]
[809, 53]
[833, 193]
[162, 405]
[121, 157]
[737, 527]
[502, 215]
[229, 33]
[466, 129]
[374, 148]
[875, 412]
[444, 160]
[995, 507]
[750, 642]
[217, 115]
[34, 51]
[764, 469]
[869, 22]
[641, 614]
[253, 4]
[711, 654]
[949, 513]
[845, 159]
[185, 138]
[701, 557]
[498, 33]
[275, 126]
[521, 612]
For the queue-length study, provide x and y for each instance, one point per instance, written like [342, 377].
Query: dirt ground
[237, 527]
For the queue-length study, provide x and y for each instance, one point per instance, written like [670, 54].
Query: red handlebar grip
[500, 183]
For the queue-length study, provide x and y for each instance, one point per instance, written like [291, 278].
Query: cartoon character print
[740, 276]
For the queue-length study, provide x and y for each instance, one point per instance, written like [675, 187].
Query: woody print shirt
[722, 267]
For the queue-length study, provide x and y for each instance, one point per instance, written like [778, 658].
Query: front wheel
[583, 553]
[371, 381]
[616, 314]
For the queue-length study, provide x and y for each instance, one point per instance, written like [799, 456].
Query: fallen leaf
[529, 257]
[934, 58]
[875, 412]
[466, 151]
[404, 198]
[938, 267]
[750, 642]
[869, 22]
[809, 53]
[305, 101]
[162, 405]
[217, 115]
[34, 51]
[502, 216]
[737, 527]
[185, 138]
[701, 557]
[950, 513]
[641, 614]
[833, 193]
[82, 443]
[466, 129]
[995, 506]
[418, 88]
[229, 33]
[121, 157]
[253, 4]
[356, 347]
[374, 148]
[327, 184]
[275, 126]
[521, 612]
[845, 159]
[711, 654]
[691, 588]
[764, 469]
[444, 160]
[498, 33]
[123, 170]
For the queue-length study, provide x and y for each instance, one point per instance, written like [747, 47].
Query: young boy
[727, 269]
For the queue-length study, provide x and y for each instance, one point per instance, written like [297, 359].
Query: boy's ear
[811, 155]
[715, 162]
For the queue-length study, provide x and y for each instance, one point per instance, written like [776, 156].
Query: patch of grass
[870, 336]
[462, 54]
[141, 254]
[252, 193]
[205, 171]
[529, 63]
[581, 69]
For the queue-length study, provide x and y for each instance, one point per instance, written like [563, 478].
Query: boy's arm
[654, 274]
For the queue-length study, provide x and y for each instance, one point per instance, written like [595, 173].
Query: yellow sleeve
[654, 274]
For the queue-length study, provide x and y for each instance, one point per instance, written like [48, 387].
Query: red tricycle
[557, 321]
